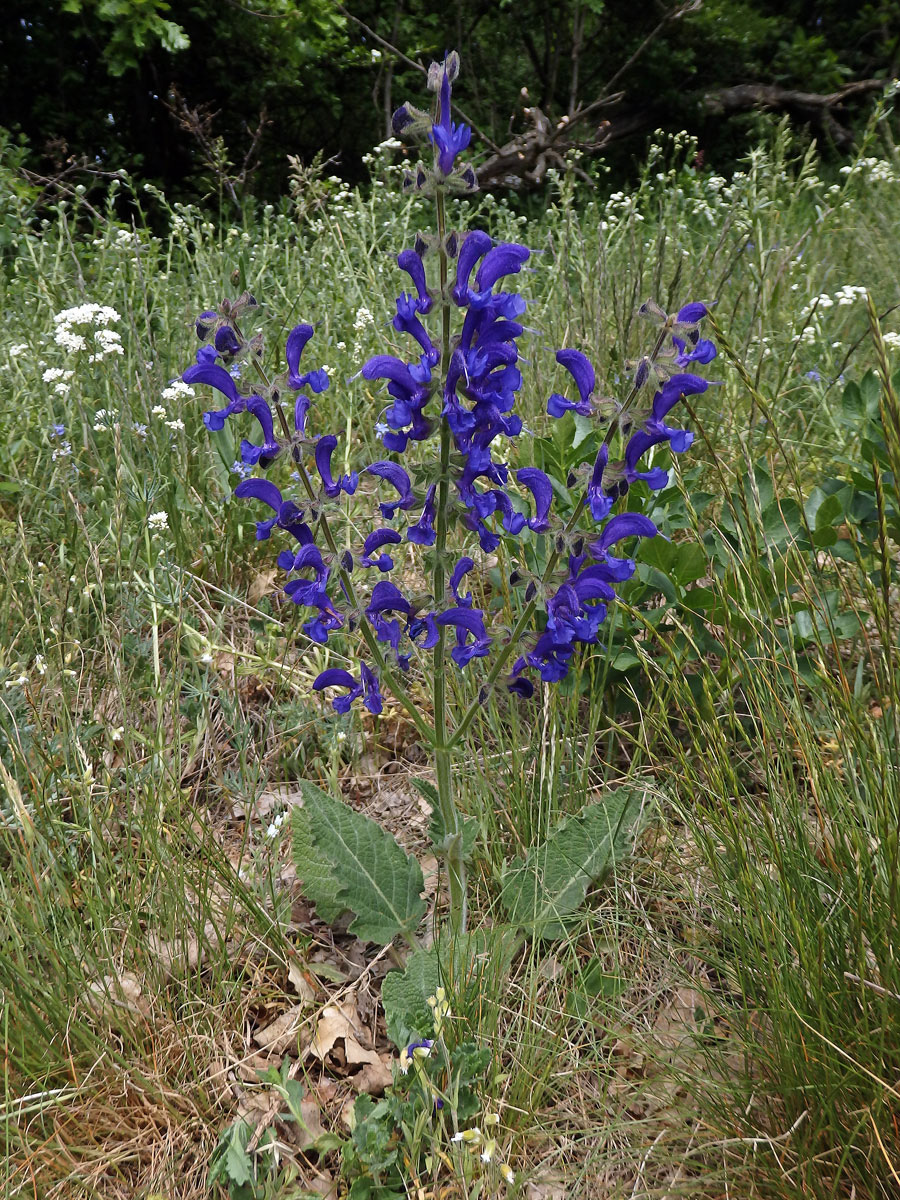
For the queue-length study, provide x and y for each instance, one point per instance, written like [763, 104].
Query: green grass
[724, 1018]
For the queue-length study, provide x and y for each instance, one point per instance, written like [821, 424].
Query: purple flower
[386, 598]
[226, 341]
[296, 341]
[367, 688]
[507, 258]
[252, 453]
[217, 377]
[375, 540]
[691, 313]
[410, 262]
[407, 321]
[616, 570]
[287, 515]
[463, 567]
[579, 367]
[449, 139]
[423, 532]
[599, 500]
[542, 490]
[398, 478]
[475, 244]
[204, 323]
[324, 449]
[308, 591]
[469, 624]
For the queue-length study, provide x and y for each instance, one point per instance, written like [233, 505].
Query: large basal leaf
[346, 861]
[459, 964]
[540, 892]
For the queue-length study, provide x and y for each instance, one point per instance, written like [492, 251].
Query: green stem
[456, 867]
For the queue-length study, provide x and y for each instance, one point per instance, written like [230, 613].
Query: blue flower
[398, 478]
[542, 490]
[287, 515]
[226, 342]
[348, 483]
[296, 341]
[310, 592]
[367, 688]
[463, 567]
[579, 367]
[375, 540]
[423, 532]
[386, 598]
[449, 139]
[407, 321]
[411, 262]
[469, 624]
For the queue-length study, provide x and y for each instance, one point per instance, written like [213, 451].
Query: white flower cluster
[17, 348]
[892, 340]
[362, 319]
[177, 390]
[872, 170]
[105, 418]
[849, 293]
[71, 335]
[158, 521]
[59, 378]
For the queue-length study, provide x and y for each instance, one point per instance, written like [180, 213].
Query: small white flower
[206, 658]
[61, 389]
[158, 520]
[68, 340]
[17, 349]
[177, 390]
[363, 318]
[158, 411]
[177, 424]
[118, 733]
[506, 1173]
[40, 664]
[892, 339]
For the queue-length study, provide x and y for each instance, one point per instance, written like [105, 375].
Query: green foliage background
[91, 77]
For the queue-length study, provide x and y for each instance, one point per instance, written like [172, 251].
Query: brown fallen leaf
[375, 1076]
[280, 1034]
[337, 1022]
[121, 991]
[302, 981]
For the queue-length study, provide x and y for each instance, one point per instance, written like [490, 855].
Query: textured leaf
[552, 882]
[352, 864]
[319, 882]
[404, 994]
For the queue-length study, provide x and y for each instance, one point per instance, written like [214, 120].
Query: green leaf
[460, 965]
[540, 892]
[584, 427]
[404, 994]
[348, 862]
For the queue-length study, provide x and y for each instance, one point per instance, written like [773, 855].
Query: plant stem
[456, 867]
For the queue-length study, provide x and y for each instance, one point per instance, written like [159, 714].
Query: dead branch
[820, 112]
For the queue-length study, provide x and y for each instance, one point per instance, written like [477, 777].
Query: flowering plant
[447, 494]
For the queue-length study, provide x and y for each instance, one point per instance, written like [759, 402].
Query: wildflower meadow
[449, 724]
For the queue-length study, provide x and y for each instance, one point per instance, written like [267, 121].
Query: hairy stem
[456, 867]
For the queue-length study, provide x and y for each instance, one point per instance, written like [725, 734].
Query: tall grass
[724, 1019]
